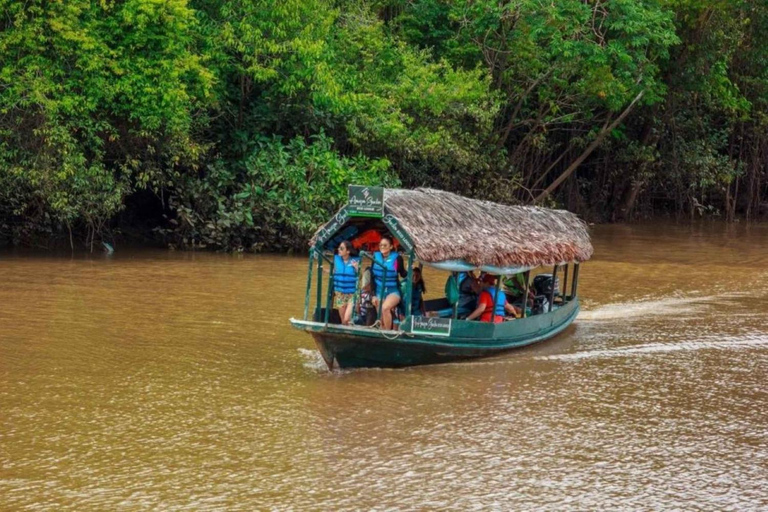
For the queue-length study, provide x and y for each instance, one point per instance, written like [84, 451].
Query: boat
[456, 234]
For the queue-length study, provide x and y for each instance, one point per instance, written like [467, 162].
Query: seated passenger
[462, 295]
[417, 292]
[467, 294]
[515, 288]
[418, 289]
[488, 303]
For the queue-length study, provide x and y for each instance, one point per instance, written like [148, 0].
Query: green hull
[357, 347]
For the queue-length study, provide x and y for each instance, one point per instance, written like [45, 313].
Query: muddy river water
[157, 380]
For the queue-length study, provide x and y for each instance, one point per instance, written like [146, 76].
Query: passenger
[366, 314]
[387, 286]
[460, 294]
[417, 293]
[516, 289]
[467, 294]
[515, 284]
[489, 303]
[418, 289]
[345, 267]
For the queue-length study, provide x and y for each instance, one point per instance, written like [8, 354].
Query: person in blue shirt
[345, 267]
[386, 284]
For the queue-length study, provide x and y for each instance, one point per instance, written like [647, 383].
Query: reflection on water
[172, 380]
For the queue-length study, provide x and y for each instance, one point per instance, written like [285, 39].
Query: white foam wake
[313, 360]
[751, 342]
[654, 307]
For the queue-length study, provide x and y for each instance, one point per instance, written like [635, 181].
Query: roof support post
[329, 299]
[409, 287]
[456, 304]
[525, 293]
[565, 284]
[381, 292]
[575, 284]
[319, 303]
[552, 291]
[356, 296]
[309, 283]
[495, 297]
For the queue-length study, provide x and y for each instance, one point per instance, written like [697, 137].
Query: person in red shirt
[486, 302]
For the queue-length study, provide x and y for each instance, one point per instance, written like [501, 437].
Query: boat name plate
[431, 325]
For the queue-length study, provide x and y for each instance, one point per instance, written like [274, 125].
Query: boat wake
[313, 360]
[717, 343]
[645, 308]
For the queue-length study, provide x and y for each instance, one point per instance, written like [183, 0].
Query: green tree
[95, 96]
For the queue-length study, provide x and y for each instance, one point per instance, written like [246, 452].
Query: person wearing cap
[489, 303]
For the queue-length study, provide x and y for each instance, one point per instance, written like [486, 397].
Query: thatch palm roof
[445, 226]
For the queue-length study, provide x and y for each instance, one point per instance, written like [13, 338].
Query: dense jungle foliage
[238, 124]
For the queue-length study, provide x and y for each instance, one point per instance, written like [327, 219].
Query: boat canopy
[455, 233]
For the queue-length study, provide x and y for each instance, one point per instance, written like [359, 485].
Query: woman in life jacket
[345, 267]
[386, 284]
[489, 303]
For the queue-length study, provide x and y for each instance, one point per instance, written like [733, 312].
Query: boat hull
[355, 347]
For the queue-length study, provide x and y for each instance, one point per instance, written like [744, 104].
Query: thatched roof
[445, 226]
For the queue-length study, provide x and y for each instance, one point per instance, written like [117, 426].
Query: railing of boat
[317, 253]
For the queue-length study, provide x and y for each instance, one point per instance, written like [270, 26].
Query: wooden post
[409, 287]
[329, 299]
[565, 284]
[319, 303]
[575, 284]
[498, 289]
[458, 296]
[356, 297]
[552, 291]
[525, 294]
[309, 283]
[381, 292]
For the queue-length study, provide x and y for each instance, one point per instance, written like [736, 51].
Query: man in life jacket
[491, 301]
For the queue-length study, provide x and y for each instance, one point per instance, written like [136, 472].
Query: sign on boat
[431, 325]
[450, 233]
[365, 201]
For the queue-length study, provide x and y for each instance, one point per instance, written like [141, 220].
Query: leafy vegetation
[239, 124]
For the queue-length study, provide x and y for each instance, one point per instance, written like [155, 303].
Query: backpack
[452, 287]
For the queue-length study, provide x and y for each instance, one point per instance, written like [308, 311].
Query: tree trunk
[598, 140]
[630, 198]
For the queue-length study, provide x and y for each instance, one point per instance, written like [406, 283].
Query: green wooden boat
[453, 234]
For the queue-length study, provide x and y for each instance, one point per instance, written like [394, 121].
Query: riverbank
[136, 241]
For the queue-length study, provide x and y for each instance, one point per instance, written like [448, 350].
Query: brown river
[157, 380]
